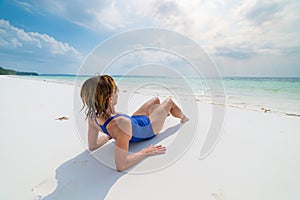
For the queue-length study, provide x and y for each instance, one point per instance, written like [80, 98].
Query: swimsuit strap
[107, 121]
[112, 117]
[95, 119]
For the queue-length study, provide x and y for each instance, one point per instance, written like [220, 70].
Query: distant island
[13, 72]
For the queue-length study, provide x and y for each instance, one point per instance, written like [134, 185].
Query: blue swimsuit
[141, 127]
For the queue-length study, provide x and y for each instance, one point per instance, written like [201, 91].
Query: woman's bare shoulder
[119, 121]
[119, 124]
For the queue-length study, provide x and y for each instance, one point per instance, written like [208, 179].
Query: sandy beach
[43, 157]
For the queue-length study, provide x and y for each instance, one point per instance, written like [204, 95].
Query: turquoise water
[278, 94]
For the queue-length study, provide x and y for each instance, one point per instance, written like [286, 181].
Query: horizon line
[229, 76]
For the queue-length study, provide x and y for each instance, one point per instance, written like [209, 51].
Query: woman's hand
[154, 150]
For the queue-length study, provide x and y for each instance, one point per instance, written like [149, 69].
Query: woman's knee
[168, 104]
[169, 101]
[155, 100]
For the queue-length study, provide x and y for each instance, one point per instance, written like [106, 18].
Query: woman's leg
[147, 107]
[160, 113]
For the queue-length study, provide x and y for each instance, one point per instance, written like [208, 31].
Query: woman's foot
[184, 119]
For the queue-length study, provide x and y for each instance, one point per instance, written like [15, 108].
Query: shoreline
[201, 99]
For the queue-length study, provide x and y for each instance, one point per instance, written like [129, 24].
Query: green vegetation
[13, 72]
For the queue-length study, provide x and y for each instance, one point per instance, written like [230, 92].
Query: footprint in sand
[218, 195]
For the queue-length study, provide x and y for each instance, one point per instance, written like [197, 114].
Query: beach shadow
[84, 177]
[134, 147]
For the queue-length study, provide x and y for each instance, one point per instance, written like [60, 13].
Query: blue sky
[243, 38]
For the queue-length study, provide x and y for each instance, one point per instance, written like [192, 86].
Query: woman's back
[141, 126]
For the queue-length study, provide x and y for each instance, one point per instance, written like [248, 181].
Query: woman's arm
[122, 158]
[100, 142]
[94, 141]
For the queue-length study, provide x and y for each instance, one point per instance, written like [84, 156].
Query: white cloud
[255, 26]
[25, 6]
[249, 26]
[19, 40]
[144, 61]
[270, 25]
[231, 29]
[94, 14]
[23, 45]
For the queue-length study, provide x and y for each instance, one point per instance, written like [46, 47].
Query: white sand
[257, 156]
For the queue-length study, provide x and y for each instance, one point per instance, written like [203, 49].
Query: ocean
[266, 94]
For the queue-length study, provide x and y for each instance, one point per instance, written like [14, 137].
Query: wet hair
[95, 94]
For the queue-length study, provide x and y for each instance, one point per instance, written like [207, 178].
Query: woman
[100, 95]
